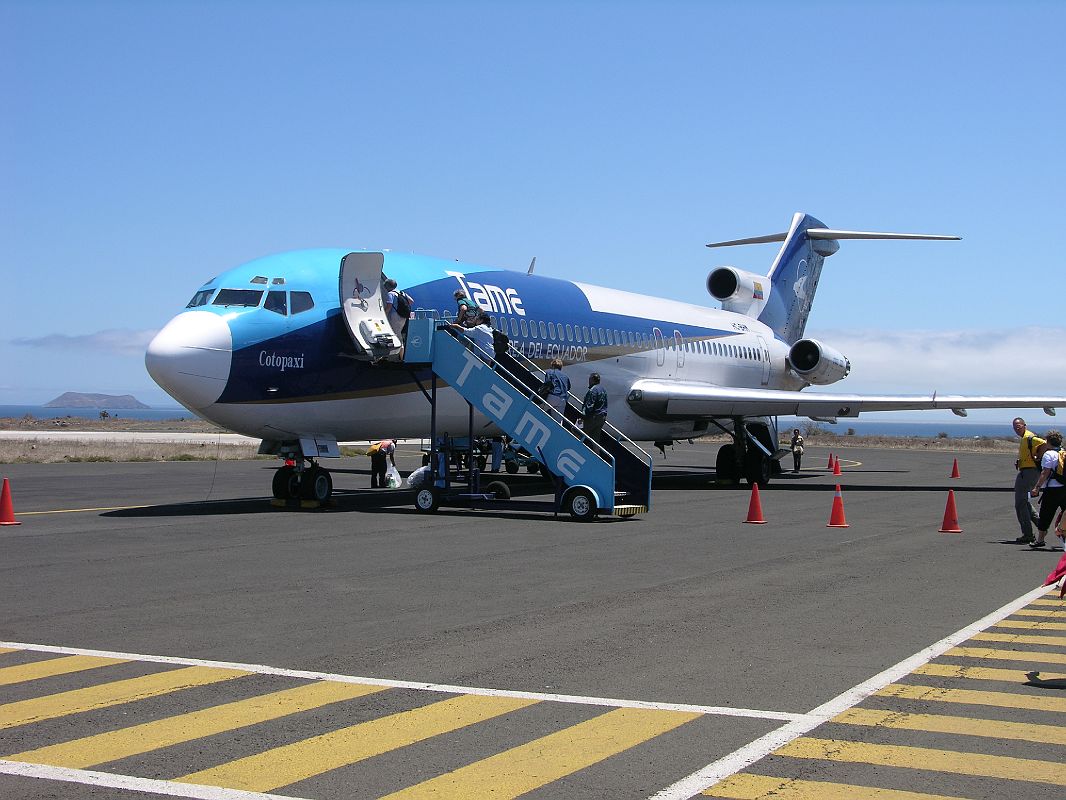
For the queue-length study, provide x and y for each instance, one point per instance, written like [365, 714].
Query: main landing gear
[304, 483]
[743, 458]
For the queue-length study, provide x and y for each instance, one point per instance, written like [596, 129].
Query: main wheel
[317, 485]
[725, 465]
[511, 467]
[427, 500]
[533, 467]
[286, 483]
[581, 504]
[500, 489]
[757, 469]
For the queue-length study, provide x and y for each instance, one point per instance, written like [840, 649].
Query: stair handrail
[628, 443]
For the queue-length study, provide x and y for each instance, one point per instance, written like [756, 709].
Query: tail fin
[798, 266]
[794, 279]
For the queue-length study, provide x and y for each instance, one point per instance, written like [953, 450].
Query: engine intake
[739, 291]
[817, 363]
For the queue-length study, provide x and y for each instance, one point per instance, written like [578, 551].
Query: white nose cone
[190, 358]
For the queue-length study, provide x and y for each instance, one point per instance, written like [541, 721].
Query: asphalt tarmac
[625, 658]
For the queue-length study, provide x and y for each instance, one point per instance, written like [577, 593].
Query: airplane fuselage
[264, 349]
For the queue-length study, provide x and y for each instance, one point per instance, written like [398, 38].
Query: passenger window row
[557, 331]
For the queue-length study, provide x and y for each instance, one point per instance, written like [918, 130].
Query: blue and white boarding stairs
[613, 477]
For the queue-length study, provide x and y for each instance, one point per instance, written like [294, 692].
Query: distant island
[105, 401]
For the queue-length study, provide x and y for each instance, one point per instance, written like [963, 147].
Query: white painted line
[260, 669]
[149, 785]
[750, 753]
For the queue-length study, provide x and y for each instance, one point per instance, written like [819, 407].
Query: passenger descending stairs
[615, 477]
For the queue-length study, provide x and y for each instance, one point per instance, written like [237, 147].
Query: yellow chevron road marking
[113, 745]
[1028, 656]
[1019, 675]
[530, 766]
[1036, 612]
[7, 650]
[1056, 602]
[290, 763]
[971, 697]
[1020, 638]
[110, 694]
[950, 761]
[745, 786]
[1031, 625]
[54, 666]
[990, 728]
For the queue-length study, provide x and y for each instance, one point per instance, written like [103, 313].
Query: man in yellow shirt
[1028, 472]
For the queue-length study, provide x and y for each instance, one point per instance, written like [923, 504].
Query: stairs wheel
[500, 489]
[427, 500]
[581, 504]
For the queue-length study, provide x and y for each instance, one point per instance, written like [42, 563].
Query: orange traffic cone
[7, 511]
[836, 516]
[755, 507]
[951, 516]
[830, 464]
[955, 469]
[836, 466]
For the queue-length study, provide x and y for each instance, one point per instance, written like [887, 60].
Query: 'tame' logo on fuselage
[491, 298]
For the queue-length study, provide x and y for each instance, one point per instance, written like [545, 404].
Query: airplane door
[764, 353]
[364, 306]
[679, 343]
[660, 346]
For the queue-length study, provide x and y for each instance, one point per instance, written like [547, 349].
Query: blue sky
[145, 147]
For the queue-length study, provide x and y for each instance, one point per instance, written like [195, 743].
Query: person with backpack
[1051, 484]
[467, 313]
[398, 308]
[1027, 469]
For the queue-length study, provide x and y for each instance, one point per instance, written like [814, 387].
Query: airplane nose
[190, 358]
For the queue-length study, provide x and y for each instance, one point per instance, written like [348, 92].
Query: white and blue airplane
[296, 349]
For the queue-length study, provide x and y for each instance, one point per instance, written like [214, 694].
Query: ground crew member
[1025, 479]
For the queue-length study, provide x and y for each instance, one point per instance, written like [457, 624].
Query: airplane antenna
[532, 264]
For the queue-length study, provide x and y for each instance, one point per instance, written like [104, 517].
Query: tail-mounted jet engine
[817, 363]
[739, 291]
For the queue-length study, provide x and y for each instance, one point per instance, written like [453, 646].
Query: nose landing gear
[304, 485]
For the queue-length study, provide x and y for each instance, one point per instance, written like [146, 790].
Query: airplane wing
[669, 399]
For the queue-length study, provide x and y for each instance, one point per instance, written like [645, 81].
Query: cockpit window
[238, 297]
[200, 298]
[277, 303]
[301, 301]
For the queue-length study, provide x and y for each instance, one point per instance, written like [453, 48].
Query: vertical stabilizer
[794, 278]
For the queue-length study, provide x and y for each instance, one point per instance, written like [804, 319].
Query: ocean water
[40, 412]
[961, 430]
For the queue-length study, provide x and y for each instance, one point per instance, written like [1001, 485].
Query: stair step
[629, 510]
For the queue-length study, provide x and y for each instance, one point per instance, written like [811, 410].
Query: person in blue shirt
[594, 409]
[558, 385]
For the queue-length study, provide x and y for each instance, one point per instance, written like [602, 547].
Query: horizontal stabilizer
[828, 233]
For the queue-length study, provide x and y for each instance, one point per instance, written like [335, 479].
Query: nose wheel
[286, 483]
